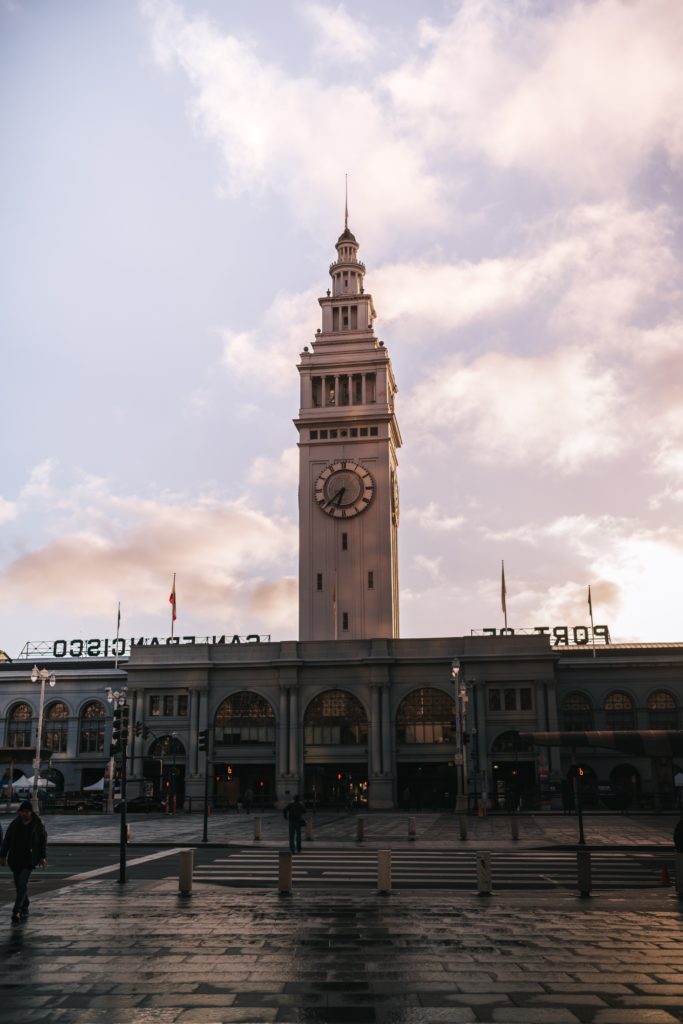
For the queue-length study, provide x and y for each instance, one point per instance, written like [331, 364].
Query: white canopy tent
[42, 783]
[96, 787]
[21, 783]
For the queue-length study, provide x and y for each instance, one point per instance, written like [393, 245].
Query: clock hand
[337, 498]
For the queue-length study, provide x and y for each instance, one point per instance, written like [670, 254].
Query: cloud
[294, 136]
[228, 556]
[431, 517]
[340, 38]
[8, 510]
[579, 95]
[282, 472]
[559, 410]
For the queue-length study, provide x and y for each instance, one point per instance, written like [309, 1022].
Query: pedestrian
[24, 848]
[248, 799]
[295, 813]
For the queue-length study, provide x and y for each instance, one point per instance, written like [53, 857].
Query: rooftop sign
[559, 636]
[122, 647]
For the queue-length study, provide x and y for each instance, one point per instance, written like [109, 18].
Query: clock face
[344, 489]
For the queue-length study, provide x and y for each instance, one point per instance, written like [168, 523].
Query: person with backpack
[295, 813]
[24, 848]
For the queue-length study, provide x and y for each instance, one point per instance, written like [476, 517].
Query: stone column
[387, 744]
[375, 766]
[293, 730]
[282, 745]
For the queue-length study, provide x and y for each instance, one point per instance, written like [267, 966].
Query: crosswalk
[437, 869]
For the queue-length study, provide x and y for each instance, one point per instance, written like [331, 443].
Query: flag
[172, 600]
[503, 594]
[118, 620]
[590, 603]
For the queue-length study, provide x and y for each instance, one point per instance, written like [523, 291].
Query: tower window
[371, 581]
[373, 432]
[354, 318]
[343, 433]
[370, 382]
[363, 431]
[354, 431]
[357, 389]
[316, 391]
[333, 433]
[323, 435]
[314, 435]
[345, 542]
[319, 581]
[345, 620]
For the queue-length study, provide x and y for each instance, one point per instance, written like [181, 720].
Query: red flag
[173, 601]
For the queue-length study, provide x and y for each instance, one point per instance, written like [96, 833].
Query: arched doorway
[244, 751]
[170, 751]
[425, 746]
[335, 751]
[626, 786]
[513, 772]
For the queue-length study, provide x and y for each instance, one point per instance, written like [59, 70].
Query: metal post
[186, 871]
[44, 677]
[309, 828]
[384, 871]
[360, 828]
[257, 827]
[463, 826]
[514, 826]
[412, 831]
[123, 835]
[484, 876]
[583, 870]
[284, 873]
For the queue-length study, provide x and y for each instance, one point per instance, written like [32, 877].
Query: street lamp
[51, 679]
[117, 698]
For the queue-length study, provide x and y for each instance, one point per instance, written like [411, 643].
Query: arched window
[577, 713]
[619, 711]
[91, 729]
[511, 742]
[245, 718]
[19, 726]
[426, 716]
[663, 710]
[167, 746]
[335, 717]
[56, 727]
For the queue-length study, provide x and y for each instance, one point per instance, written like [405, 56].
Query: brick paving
[100, 952]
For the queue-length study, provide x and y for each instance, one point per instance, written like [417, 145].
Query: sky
[171, 189]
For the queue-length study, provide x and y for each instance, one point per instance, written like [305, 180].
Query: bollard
[309, 829]
[463, 826]
[360, 828]
[484, 877]
[679, 875]
[186, 869]
[257, 828]
[384, 872]
[129, 835]
[514, 826]
[583, 868]
[284, 873]
[412, 831]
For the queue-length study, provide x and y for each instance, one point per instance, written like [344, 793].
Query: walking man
[295, 813]
[24, 848]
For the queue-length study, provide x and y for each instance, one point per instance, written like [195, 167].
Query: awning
[637, 742]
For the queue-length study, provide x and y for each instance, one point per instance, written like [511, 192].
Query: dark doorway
[514, 785]
[339, 786]
[426, 786]
[233, 780]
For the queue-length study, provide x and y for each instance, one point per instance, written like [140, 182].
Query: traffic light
[203, 738]
[119, 731]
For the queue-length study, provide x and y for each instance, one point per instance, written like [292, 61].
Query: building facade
[351, 714]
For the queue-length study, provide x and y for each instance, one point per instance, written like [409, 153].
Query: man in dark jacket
[295, 812]
[24, 848]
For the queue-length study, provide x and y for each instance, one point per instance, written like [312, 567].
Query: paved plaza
[96, 951]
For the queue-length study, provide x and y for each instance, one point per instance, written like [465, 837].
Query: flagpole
[503, 594]
[173, 608]
[590, 609]
[118, 627]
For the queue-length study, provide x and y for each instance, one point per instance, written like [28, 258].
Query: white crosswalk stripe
[435, 869]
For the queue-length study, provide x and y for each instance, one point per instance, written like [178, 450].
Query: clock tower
[348, 488]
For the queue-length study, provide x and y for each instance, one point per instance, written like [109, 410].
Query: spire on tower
[346, 203]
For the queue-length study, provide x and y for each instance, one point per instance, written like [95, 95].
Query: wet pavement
[99, 952]
[96, 951]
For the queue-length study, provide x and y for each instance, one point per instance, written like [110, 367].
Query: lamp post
[117, 698]
[51, 679]
[461, 699]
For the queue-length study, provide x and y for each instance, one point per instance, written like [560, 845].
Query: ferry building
[351, 714]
